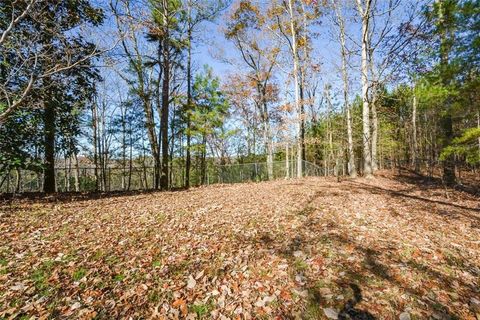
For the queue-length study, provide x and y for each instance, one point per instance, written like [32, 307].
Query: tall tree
[339, 21]
[246, 30]
[198, 12]
[166, 17]
[56, 55]
[364, 10]
[208, 113]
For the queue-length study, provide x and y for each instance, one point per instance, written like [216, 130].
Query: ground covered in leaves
[316, 248]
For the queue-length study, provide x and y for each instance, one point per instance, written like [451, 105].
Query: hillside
[314, 248]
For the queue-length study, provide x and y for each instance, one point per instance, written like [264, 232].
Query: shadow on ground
[373, 267]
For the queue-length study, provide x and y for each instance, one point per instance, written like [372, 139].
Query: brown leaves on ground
[308, 249]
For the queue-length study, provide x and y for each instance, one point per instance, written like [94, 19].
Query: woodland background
[163, 94]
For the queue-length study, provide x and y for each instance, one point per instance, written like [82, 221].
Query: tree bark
[188, 161]
[287, 161]
[414, 133]
[267, 132]
[77, 174]
[49, 185]
[367, 155]
[95, 143]
[297, 90]
[352, 169]
[478, 126]
[374, 129]
[165, 110]
[446, 120]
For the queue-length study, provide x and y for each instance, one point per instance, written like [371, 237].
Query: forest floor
[388, 248]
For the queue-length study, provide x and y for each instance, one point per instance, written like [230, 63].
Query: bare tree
[339, 21]
[364, 10]
[129, 24]
[260, 58]
[287, 24]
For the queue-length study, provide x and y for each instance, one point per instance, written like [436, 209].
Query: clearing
[359, 249]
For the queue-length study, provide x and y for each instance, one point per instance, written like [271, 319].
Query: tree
[457, 66]
[364, 10]
[140, 69]
[27, 27]
[56, 54]
[339, 21]
[259, 54]
[166, 16]
[197, 13]
[210, 107]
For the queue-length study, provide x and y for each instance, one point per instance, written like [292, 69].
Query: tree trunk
[374, 130]
[287, 161]
[188, 161]
[367, 155]
[328, 133]
[478, 126]
[303, 82]
[302, 120]
[267, 132]
[414, 134]
[446, 120]
[297, 93]
[124, 149]
[165, 112]
[95, 143]
[77, 174]
[18, 180]
[352, 169]
[49, 185]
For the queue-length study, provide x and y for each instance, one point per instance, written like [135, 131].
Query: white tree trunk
[367, 155]
[296, 79]
[352, 169]
[77, 174]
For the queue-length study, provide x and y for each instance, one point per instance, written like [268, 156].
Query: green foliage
[210, 108]
[53, 25]
[167, 17]
[467, 145]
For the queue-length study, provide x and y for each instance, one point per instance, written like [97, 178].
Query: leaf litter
[386, 248]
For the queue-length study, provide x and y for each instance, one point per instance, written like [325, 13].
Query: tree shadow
[377, 265]
[425, 201]
[349, 312]
[67, 197]
[409, 176]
